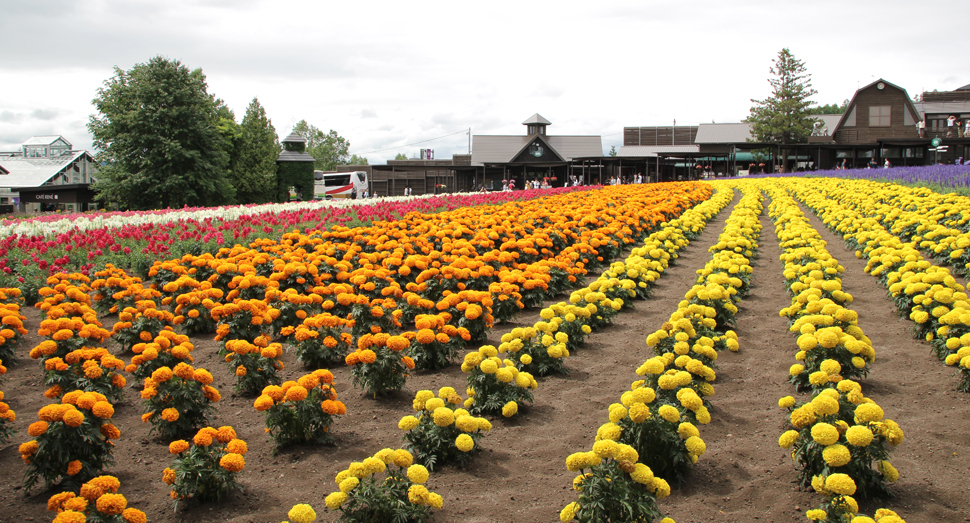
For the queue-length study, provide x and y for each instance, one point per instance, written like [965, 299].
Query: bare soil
[520, 475]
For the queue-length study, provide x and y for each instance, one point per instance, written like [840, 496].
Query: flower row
[928, 294]
[839, 438]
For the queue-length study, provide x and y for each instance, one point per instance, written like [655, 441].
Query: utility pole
[469, 140]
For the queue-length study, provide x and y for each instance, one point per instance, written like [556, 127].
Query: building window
[879, 115]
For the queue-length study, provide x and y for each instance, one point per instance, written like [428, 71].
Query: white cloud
[384, 73]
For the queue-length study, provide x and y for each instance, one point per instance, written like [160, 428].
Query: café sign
[46, 196]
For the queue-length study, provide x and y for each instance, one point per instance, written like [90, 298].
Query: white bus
[327, 186]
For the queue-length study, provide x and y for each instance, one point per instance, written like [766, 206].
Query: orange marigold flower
[28, 448]
[133, 515]
[162, 374]
[168, 476]
[73, 418]
[184, 371]
[56, 502]
[296, 393]
[398, 343]
[170, 415]
[70, 516]
[325, 375]
[86, 400]
[263, 403]
[232, 462]
[111, 504]
[237, 446]
[408, 362]
[37, 428]
[367, 356]
[103, 410]
[202, 376]
[73, 468]
[225, 434]
[53, 392]
[110, 431]
[202, 439]
[178, 446]
[241, 371]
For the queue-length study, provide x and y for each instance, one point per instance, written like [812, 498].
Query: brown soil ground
[521, 476]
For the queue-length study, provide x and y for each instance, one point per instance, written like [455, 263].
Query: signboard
[936, 142]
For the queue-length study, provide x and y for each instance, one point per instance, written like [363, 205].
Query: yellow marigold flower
[840, 484]
[696, 446]
[302, 513]
[825, 434]
[830, 366]
[335, 500]
[662, 488]
[639, 412]
[836, 455]
[687, 429]
[407, 423]
[858, 435]
[435, 500]
[825, 405]
[417, 494]
[642, 474]
[786, 402]
[568, 513]
[888, 471]
[348, 484]
[464, 442]
[605, 448]
[443, 416]
[868, 412]
[510, 409]
[787, 439]
[402, 458]
[796, 369]
[418, 473]
[669, 413]
[816, 515]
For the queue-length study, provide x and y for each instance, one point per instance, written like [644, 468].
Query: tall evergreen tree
[328, 149]
[157, 138]
[786, 116]
[254, 167]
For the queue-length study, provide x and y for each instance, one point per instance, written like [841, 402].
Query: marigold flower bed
[518, 473]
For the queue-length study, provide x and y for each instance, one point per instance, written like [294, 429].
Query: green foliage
[785, 116]
[158, 139]
[401, 156]
[830, 108]
[302, 413]
[52, 452]
[178, 402]
[329, 149]
[254, 166]
[298, 175]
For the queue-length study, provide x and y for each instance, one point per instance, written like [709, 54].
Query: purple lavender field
[955, 176]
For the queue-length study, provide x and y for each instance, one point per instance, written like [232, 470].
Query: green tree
[158, 139]
[785, 117]
[831, 108]
[254, 166]
[329, 149]
[613, 150]
[401, 156]
[356, 160]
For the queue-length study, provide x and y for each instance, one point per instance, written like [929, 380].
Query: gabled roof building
[46, 174]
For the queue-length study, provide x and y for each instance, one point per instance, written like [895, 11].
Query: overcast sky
[387, 75]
